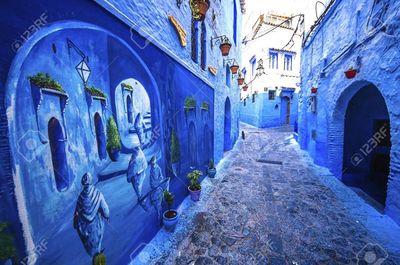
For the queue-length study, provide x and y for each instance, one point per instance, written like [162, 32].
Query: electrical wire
[316, 5]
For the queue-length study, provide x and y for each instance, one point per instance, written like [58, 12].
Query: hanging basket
[199, 9]
[234, 69]
[203, 8]
[314, 90]
[225, 48]
[351, 73]
[245, 87]
[240, 81]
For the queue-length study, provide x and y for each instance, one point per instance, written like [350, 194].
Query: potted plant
[175, 153]
[7, 249]
[211, 171]
[234, 68]
[194, 187]
[95, 92]
[113, 140]
[351, 73]
[225, 46]
[245, 87]
[99, 259]
[170, 216]
[314, 90]
[240, 79]
[199, 9]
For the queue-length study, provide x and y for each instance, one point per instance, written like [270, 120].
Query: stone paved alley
[281, 210]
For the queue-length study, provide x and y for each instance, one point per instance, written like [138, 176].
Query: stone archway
[355, 139]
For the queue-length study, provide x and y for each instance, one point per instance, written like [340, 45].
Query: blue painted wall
[369, 45]
[160, 70]
[265, 113]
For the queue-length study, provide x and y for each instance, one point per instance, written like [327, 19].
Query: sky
[284, 7]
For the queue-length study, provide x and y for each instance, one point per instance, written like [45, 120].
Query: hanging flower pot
[199, 9]
[203, 8]
[240, 81]
[225, 46]
[245, 87]
[351, 73]
[314, 90]
[234, 69]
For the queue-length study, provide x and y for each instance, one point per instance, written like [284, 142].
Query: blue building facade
[349, 103]
[270, 109]
[135, 63]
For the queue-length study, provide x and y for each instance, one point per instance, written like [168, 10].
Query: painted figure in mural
[158, 184]
[139, 127]
[137, 170]
[90, 213]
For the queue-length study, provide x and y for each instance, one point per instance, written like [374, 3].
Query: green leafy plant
[127, 86]
[190, 103]
[169, 198]
[44, 80]
[211, 164]
[93, 91]
[175, 148]
[7, 249]
[194, 177]
[99, 259]
[113, 137]
[205, 105]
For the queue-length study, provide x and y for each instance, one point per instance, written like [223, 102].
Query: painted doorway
[58, 155]
[227, 126]
[129, 109]
[285, 110]
[100, 136]
[367, 144]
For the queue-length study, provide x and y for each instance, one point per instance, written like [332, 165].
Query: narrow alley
[269, 204]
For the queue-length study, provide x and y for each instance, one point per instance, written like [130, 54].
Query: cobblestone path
[269, 207]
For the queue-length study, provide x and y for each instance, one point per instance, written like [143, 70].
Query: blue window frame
[273, 60]
[253, 65]
[234, 21]
[244, 72]
[228, 76]
[288, 61]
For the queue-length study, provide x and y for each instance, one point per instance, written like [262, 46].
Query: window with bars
[203, 47]
[288, 59]
[273, 60]
[195, 40]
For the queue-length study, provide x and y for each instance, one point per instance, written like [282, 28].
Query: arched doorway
[227, 126]
[100, 136]
[285, 110]
[58, 155]
[192, 146]
[366, 148]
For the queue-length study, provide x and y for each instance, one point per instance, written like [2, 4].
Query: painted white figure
[137, 170]
[90, 213]
[158, 184]
[139, 127]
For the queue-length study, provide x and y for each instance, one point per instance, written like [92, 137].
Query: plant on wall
[7, 249]
[95, 92]
[99, 259]
[127, 86]
[190, 103]
[205, 105]
[113, 139]
[44, 80]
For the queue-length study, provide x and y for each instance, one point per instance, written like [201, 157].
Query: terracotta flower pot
[240, 81]
[203, 8]
[314, 90]
[351, 73]
[234, 69]
[245, 88]
[225, 48]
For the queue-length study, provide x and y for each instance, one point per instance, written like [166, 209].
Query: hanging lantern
[199, 9]
[314, 90]
[234, 68]
[351, 73]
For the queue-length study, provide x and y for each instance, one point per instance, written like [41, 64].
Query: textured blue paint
[368, 45]
[265, 113]
[117, 53]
